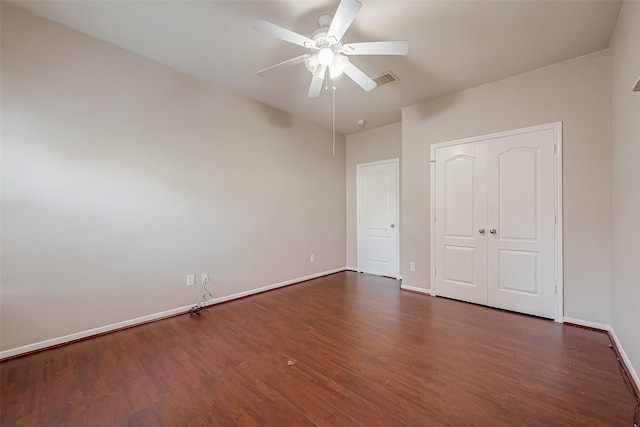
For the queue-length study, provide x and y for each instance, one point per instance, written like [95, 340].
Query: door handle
[393, 226]
[481, 231]
[492, 231]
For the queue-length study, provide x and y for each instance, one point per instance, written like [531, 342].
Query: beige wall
[120, 176]
[574, 92]
[625, 183]
[382, 143]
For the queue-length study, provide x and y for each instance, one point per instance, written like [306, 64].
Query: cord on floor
[202, 303]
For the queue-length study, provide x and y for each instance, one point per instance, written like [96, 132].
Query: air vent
[386, 79]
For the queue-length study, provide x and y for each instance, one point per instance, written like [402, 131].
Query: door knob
[481, 231]
[393, 226]
[492, 231]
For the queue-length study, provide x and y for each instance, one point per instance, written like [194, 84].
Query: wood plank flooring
[342, 350]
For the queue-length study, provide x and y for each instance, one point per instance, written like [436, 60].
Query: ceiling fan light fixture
[325, 56]
[337, 67]
[334, 70]
[311, 63]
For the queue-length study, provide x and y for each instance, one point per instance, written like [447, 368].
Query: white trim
[274, 286]
[588, 324]
[559, 263]
[416, 289]
[91, 332]
[148, 318]
[608, 328]
[511, 132]
[396, 161]
[432, 222]
[558, 247]
[625, 358]
[351, 268]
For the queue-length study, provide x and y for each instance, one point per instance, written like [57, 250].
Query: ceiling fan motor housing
[325, 50]
[325, 21]
[320, 39]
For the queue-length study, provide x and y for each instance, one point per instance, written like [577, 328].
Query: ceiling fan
[327, 53]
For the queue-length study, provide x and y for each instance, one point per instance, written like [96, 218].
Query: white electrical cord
[204, 301]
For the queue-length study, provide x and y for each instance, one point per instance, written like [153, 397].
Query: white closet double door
[495, 221]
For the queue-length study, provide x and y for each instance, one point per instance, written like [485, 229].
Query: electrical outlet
[412, 266]
[312, 258]
[191, 279]
[204, 278]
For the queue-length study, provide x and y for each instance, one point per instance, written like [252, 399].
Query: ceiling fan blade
[359, 77]
[316, 81]
[377, 48]
[281, 66]
[282, 33]
[345, 14]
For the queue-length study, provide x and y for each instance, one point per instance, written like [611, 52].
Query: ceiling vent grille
[385, 79]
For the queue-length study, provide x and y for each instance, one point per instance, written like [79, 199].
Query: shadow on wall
[430, 108]
[276, 118]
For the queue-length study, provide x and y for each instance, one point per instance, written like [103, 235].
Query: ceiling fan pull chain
[334, 118]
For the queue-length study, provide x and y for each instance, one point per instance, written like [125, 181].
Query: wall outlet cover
[191, 279]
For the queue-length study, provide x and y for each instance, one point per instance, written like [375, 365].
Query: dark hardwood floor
[346, 349]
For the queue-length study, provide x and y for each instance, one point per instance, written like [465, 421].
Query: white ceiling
[453, 45]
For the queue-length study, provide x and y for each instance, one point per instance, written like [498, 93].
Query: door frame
[359, 166]
[558, 245]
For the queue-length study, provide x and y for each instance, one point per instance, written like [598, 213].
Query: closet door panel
[460, 214]
[521, 220]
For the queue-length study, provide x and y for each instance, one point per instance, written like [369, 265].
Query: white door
[521, 222]
[378, 218]
[461, 253]
[495, 220]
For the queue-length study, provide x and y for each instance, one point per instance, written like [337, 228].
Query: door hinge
[555, 148]
[555, 218]
[555, 289]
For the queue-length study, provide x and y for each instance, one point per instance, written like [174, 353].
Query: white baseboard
[148, 318]
[416, 289]
[625, 358]
[275, 286]
[587, 323]
[95, 331]
[373, 274]
[612, 334]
